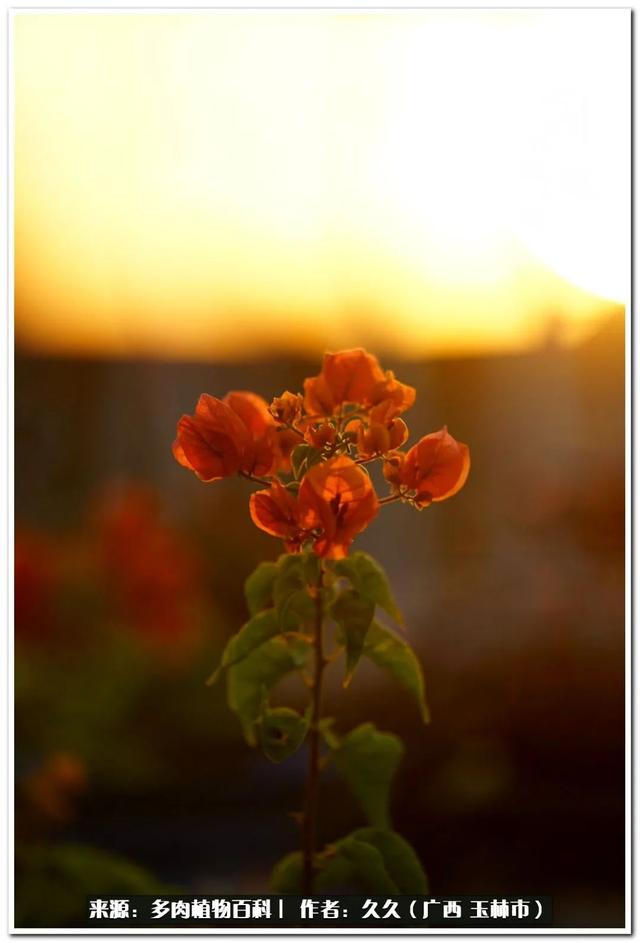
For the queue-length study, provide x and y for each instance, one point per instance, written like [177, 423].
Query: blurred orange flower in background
[36, 576]
[153, 575]
[53, 789]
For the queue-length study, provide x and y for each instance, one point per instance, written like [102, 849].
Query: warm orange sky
[222, 184]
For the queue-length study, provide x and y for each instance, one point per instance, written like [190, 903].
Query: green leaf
[303, 457]
[248, 680]
[400, 860]
[281, 732]
[53, 881]
[394, 655]
[289, 588]
[298, 458]
[368, 760]
[369, 579]
[325, 726]
[335, 870]
[354, 615]
[376, 860]
[258, 587]
[286, 877]
[367, 864]
[314, 456]
[311, 567]
[349, 864]
[297, 612]
[290, 593]
[253, 633]
[289, 578]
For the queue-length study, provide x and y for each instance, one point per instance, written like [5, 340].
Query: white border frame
[7, 478]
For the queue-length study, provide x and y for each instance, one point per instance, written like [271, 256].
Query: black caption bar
[401, 912]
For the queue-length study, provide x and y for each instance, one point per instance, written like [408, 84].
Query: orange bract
[335, 502]
[276, 511]
[287, 408]
[213, 441]
[338, 501]
[355, 376]
[252, 410]
[236, 434]
[320, 434]
[435, 468]
[379, 438]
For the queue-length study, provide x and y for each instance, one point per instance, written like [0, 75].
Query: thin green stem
[309, 822]
[260, 481]
[390, 499]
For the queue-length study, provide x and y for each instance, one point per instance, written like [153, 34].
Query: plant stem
[260, 481]
[313, 769]
[390, 499]
[289, 425]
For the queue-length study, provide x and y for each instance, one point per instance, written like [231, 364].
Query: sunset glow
[199, 184]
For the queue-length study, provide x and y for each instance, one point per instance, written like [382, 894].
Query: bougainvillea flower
[236, 434]
[355, 376]
[392, 467]
[320, 434]
[435, 468]
[214, 441]
[287, 409]
[391, 399]
[276, 511]
[252, 410]
[336, 501]
[378, 438]
[283, 442]
[270, 447]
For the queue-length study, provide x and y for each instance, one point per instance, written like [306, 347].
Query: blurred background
[206, 202]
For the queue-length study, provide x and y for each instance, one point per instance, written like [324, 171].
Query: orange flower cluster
[336, 500]
[311, 452]
[234, 435]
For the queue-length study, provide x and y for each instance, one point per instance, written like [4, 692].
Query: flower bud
[321, 434]
[378, 438]
[372, 439]
[286, 409]
[393, 466]
[398, 433]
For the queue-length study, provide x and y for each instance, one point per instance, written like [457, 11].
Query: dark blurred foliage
[129, 576]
